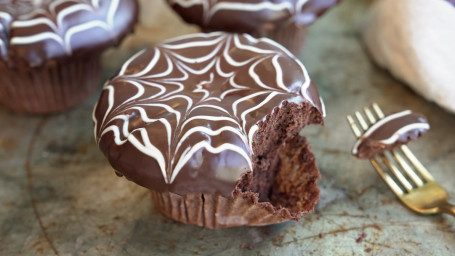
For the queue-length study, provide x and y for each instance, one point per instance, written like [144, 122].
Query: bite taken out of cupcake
[50, 50]
[283, 21]
[210, 124]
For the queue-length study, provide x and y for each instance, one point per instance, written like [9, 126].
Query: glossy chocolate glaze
[33, 32]
[250, 16]
[393, 130]
[181, 117]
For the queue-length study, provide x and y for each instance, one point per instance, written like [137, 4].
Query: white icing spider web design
[209, 98]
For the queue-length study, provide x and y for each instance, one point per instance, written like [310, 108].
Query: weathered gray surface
[58, 194]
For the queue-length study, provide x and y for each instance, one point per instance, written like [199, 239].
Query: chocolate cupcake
[283, 21]
[209, 123]
[50, 50]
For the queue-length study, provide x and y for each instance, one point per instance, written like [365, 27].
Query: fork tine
[378, 110]
[400, 177]
[419, 166]
[361, 120]
[388, 180]
[354, 127]
[409, 171]
[369, 115]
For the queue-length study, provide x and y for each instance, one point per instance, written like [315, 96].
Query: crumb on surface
[361, 237]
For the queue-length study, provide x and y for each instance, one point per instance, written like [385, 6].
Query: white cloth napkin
[415, 41]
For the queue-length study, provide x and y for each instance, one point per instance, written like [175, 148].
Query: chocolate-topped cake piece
[283, 21]
[214, 115]
[389, 132]
[50, 50]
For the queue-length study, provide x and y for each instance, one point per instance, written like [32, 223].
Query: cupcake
[50, 50]
[283, 21]
[209, 123]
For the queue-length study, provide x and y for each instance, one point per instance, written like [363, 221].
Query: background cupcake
[283, 21]
[50, 50]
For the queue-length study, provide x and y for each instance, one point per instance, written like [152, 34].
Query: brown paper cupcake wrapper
[216, 211]
[291, 36]
[51, 88]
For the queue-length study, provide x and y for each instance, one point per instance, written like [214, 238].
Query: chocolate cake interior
[285, 172]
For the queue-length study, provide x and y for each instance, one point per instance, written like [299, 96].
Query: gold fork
[406, 176]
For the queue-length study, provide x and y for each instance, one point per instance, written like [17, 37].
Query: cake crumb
[361, 237]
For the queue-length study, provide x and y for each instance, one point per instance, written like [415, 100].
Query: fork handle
[448, 208]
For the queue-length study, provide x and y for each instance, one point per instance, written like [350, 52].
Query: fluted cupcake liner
[215, 211]
[52, 88]
[292, 36]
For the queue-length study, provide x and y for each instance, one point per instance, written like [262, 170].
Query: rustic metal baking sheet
[59, 196]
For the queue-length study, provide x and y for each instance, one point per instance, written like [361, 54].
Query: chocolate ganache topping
[33, 31]
[250, 15]
[181, 117]
[389, 132]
